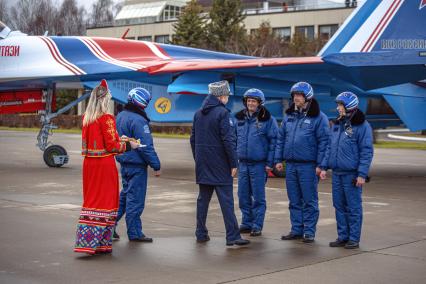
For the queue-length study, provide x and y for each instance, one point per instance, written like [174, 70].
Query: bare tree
[71, 19]
[34, 16]
[101, 12]
[264, 43]
[117, 7]
[4, 12]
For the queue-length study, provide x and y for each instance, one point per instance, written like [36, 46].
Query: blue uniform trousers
[302, 183]
[132, 199]
[251, 194]
[226, 200]
[347, 201]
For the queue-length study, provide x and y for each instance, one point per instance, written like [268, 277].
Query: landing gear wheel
[55, 156]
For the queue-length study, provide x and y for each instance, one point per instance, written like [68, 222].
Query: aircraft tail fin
[380, 25]
[408, 101]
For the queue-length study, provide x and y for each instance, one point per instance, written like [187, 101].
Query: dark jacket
[134, 123]
[256, 136]
[303, 137]
[213, 143]
[350, 149]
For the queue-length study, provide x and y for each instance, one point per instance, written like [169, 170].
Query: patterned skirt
[100, 205]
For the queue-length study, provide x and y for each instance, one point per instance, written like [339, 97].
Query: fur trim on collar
[262, 115]
[357, 119]
[314, 109]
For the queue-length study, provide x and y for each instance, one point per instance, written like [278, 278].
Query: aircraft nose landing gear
[55, 156]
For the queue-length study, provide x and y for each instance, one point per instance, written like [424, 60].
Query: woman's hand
[134, 145]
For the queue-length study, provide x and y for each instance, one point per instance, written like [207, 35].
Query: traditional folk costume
[100, 143]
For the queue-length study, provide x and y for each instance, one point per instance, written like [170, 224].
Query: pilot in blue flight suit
[134, 123]
[349, 155]
[256, 138]
[302, 142]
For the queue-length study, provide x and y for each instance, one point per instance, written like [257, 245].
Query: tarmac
[39, 209]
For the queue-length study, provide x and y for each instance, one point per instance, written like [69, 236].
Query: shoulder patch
[146, 129]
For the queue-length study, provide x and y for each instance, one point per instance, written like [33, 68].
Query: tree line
[219, 29]
[222, 29]
[36, 17]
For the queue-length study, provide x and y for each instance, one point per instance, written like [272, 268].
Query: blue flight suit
[256, 139]
[302, 142]
[213, 145]
[134, 123]
[349, 155]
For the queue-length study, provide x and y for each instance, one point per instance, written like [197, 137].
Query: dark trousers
[226, 200]
[132, 199]
[347, 200]
[251, 194]
[302, 193]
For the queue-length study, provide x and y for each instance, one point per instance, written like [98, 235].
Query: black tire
[50, 152]
[277, 173]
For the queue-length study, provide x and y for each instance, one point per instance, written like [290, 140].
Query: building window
[162, 39]
[284, 33]
[327, 31]
[171, 13]
[145, 38]
[306, 31]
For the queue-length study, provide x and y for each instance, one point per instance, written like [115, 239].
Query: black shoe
[239, 242]
[291, 236]
[352, 245]
[142, 240]
[255, 233]
[245, 230]
[337, 243]
[206, 239]
[115, 236]
[308, 239]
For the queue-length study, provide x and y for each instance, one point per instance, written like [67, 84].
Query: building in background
[151, 20]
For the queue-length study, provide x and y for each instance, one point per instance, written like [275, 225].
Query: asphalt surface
[39, 208]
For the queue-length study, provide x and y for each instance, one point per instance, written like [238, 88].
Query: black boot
[245, 230]
[204, 240]
[352, 245]
[142, 240]
[291, 236]
[239, 242]
[308, 239]
[337, 243]
[255, 233]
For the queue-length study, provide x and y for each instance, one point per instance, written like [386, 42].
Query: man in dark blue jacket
[302, 141]
[133, 122]
[213, 144]
[349, 155]
[256, 139]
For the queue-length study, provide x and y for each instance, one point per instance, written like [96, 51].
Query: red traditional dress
[100, 142]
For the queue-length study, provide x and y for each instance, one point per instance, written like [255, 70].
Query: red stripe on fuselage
[127, 50]
[57, 57]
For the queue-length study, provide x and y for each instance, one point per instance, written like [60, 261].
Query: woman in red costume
[100, 142]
